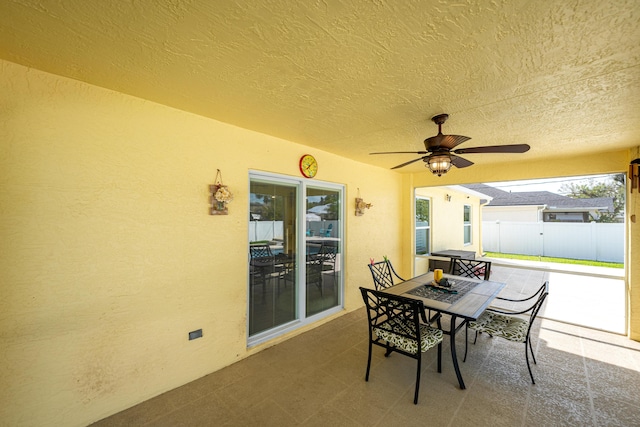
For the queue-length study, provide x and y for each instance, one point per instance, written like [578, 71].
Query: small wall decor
[361, 205]
[219, 196]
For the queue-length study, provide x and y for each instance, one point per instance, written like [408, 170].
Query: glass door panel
[272, 255]
[322, 244]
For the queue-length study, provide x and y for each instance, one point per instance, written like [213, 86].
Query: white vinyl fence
[270, 230]
[265, 230]
[588, 241]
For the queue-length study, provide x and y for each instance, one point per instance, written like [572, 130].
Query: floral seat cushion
[394, 332]
[510, 327]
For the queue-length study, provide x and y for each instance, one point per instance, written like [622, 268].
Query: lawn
[558, 260]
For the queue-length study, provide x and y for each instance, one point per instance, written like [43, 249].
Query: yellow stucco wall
[447, 220]
[447, 232]
[109, 257]
[633, 255]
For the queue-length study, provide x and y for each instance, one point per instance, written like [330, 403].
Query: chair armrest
[423, 316]
[535, 295]
[514, 300]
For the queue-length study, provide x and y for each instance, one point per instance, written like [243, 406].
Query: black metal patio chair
[261, 265]
[471, 268]
[513, 325]
[314, 273]
[328, 253]
[383, 274]
[394, 324]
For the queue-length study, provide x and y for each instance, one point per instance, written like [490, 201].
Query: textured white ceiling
[353, 77]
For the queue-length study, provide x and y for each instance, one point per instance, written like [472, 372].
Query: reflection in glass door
[272, 255]
[295, 262]
[322, 238]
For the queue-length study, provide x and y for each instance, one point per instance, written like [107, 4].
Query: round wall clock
[308, 166]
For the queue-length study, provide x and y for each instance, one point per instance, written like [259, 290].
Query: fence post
[593, 242]
[541, 239]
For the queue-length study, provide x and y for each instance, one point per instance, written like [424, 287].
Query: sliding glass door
[295, 255]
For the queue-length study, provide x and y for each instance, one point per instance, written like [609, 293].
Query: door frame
[301, 319]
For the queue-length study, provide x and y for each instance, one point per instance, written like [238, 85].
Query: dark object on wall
[634, 174]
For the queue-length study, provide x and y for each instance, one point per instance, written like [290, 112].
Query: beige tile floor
[584, 377]
[581, 295]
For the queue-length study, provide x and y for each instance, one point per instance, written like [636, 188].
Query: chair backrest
[471, 268]
[314, 272]
[531, 310]
[542, 293]
[386, 311]
[260, 251]
[534, 296]
[383, 274]
[313, 249]
[328, 232]
[328, 252]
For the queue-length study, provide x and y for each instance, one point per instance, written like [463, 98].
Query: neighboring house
[539, 206]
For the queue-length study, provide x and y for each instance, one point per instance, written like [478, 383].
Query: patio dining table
[466, 299]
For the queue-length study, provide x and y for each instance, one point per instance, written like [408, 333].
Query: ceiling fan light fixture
[441, 152]
[439, 165]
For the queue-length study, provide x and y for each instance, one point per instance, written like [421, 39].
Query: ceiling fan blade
[444, 141]
[402, 152]
[513, 148]
[408, 163]
[459, 162]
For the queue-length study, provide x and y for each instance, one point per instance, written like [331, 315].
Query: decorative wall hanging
[220, 196]
[361, 205]
[634, 180]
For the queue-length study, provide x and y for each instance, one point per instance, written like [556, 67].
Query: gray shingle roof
[538, 198]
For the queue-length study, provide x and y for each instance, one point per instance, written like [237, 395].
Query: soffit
[353, 77]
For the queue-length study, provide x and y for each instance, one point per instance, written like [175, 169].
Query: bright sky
[553, 185]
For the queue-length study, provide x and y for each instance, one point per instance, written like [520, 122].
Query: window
[423, 229]
[467, 224]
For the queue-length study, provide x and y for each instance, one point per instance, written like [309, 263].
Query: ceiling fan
[440, 155]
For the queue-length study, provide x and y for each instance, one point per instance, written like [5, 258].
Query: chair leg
[389, 351]
[415, 397]
[466, 342]
[475, 339]
[532, 355]
[440, 358]
[366, 377]
[526, 352]
[438, 321]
